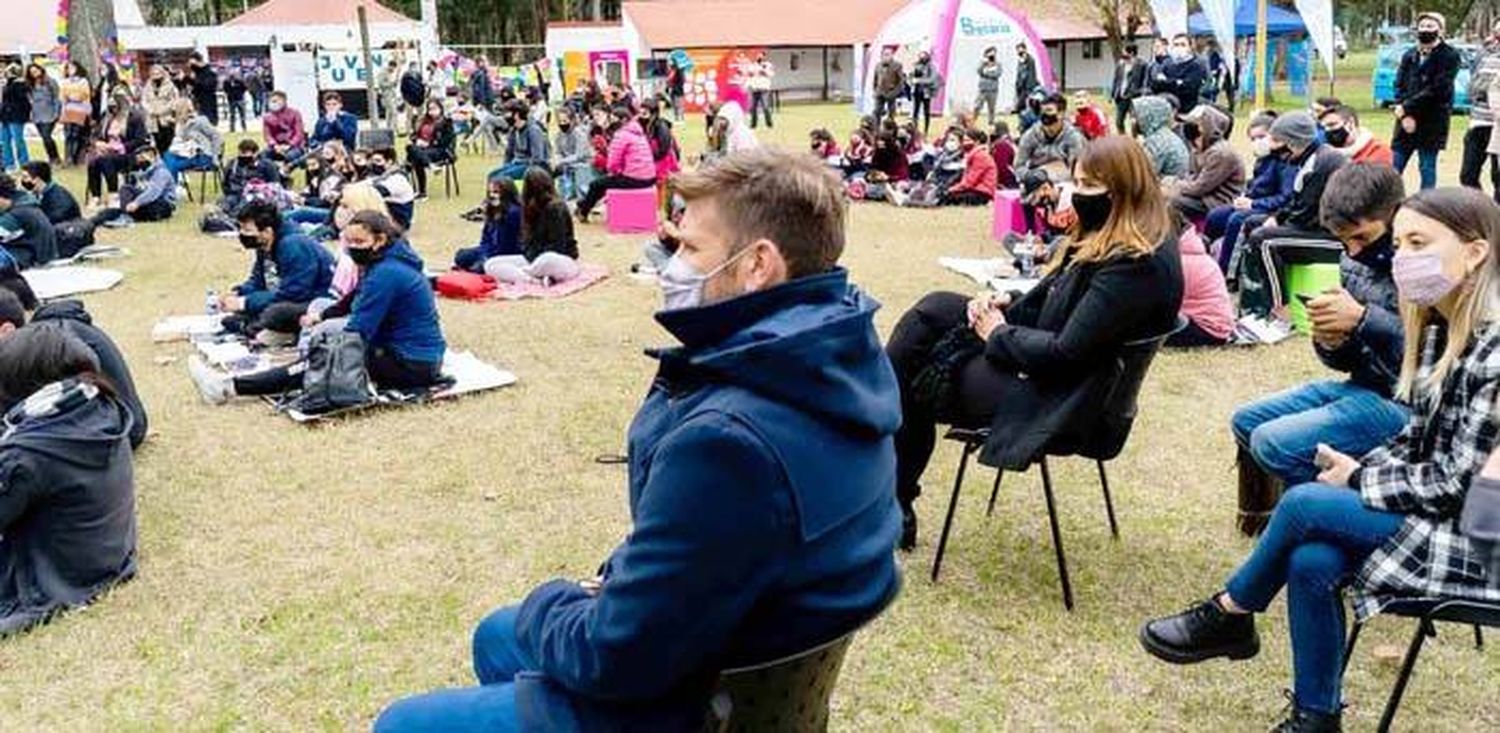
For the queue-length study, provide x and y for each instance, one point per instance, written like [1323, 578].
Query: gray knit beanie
[1297, 129]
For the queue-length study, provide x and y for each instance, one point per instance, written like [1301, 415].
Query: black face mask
[1427, 38]
[1191, 132]
[377, 168]
[1283, 152]
[1050, 118]
[141, 165]
[364, 256]
[249, 241]
[1092, 209]
[1337, 138]
[247, 160]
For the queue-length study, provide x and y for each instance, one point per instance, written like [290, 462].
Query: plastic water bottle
[1026, 258]
[211, 302]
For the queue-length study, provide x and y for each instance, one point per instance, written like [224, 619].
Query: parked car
[1388, 62]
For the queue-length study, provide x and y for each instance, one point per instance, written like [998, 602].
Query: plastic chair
[1427, 612]
[1102, 442]
[217, 171]
[450, 175]
[630, 210]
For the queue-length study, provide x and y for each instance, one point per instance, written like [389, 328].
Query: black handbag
[336, 378]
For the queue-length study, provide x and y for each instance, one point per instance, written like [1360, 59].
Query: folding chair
[1103, 442]
[1427, 612]
[450, 175]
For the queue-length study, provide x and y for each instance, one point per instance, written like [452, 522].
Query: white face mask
[1261, 146]
[682, 284]
[1181, 54]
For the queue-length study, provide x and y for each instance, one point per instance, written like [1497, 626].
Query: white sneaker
[214, 386]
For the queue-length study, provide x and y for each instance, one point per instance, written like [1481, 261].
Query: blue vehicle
[1388, 62]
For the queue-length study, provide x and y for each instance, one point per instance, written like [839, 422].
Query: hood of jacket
[1151, 113]
[63, 310]
[401, 253]
[809, 343]
[1213, 124]
[68, 421]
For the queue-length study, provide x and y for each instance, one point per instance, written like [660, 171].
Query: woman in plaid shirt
[1387, 523]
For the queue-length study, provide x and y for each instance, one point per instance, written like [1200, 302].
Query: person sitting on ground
[1052, 143]
[400, 196]
[501, 236]
[70, 316]
[392, 310]
[432, 141]
[335, 123]
[286, 137]
[1206, 304]
[1295, 234]
[196, 145]
[574, 164]
[977, 186]
[151, 194]
[25, 231]
[1047, 208]
[247, 167]
[1217, 175]
[1357, 330]
[889, 160]
[1387, 520]
[1004, 359]
[526, 144]
[779, 385]
[630, 165]
[1003, 150]
[1271, 186]
[327, 174]
[289, 271]
[68, 509]
[1342, 132]
[56, 201]
[822, 144]
[857, 155]
[1169, 155]
[121, 130]
[943, 172]
[549, 251]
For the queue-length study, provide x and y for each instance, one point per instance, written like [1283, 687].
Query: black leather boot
[1200, 633]
[1307, 721]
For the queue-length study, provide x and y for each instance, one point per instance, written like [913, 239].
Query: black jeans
[978, 386]
[600, 186]
[1122, 114]
[421, 158]
[760, 102]
[237, 112]
[104, 171]
[1476, 144]
[1192, 336]
[965, 198]
[163, 137]
[921, 109]
[75, 142]
[157, 210]
[386, 370]
[45, 130]
[279, 317]
[884, 106]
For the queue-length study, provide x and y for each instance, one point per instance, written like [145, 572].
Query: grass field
[299, 578]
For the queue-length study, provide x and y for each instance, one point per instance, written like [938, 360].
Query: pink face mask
[1420, 278]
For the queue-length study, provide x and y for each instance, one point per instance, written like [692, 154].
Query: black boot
[1202, 632]
[1307, 721]
[908, 528]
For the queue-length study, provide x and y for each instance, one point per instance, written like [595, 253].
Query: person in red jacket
[1342, 131]
[1088, 118]
[977, 187]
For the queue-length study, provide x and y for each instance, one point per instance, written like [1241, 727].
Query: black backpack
[335, 378]
[72, 236]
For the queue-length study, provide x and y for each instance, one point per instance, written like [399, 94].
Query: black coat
[71, 316]
[552, 232]
[59, 205]
[1063, 333]
[1134, 77]
[206, 91]
[234, 89]
[413, 89]
[15, 103]
[1424, 89]
[37, 244]
[1304, 210]
[1183, 80]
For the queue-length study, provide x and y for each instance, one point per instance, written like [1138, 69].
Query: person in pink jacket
[1205, 298]
[630, 163]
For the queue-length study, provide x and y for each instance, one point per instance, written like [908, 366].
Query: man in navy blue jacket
[290, 270]
[762, 472]
[335, 124]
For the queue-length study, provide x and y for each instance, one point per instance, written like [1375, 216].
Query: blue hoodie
[344, 128]
[1272, 185]
[394, 308]
[302, 268]
[762, 476]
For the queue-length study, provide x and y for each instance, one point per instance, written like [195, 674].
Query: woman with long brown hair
[549, 250]
[1389, 520]
[1001, 358]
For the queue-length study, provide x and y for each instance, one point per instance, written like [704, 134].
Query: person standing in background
[15, 113]
[759, 84]
[1482, 78]
[158, 95]
[1130, 81]
[1026, 78]
[1424, 98]
[76, 112]
[255, 85]
[46, 107]
[205, 86]
[925, 82]
[386, 81]
[890, 78]
[234, 95]
[989, 84]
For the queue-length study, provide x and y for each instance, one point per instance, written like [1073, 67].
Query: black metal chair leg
[1062, 560]
[1478, 637]
[1424, 629]
[1349, 647]
[958, 483]
[1109, 504]
[994, 492]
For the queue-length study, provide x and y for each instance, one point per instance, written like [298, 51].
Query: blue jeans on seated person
[179, 163]
[307, 215]
[1282, 431]
[498, 658]
[1318, 537]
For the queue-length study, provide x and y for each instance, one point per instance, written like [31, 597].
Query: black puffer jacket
[1372, 355]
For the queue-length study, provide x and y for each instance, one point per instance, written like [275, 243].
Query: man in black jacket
[205, 87]
[1295, 234]
[1424, 99]
[25, 231]
[56, 202]
[1130, 81]
[1356, 330]
[1181, 75]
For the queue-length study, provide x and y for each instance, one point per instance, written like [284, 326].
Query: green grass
[299, 578]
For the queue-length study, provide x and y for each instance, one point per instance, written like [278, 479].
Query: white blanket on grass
[59, 282]
[995, 273]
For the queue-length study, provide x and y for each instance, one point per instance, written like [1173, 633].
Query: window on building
[1093, 49]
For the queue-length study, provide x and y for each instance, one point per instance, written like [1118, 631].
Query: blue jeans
[498, 658]
[307, 215]
[514, 171]
[1426, 163]
[1282, 431]
[13, 153]
[178, 163]
[1317, 538]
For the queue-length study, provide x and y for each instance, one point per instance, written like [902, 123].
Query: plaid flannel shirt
[1424, 473]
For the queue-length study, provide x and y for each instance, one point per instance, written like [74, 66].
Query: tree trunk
[91, 26]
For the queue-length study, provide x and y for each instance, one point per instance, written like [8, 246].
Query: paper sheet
[58, 282]
[182, 328]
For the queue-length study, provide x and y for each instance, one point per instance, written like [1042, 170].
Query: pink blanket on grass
[588, 274]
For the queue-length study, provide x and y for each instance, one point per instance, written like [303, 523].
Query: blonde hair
[1471, 216]
[1138, 220]
[183, 110]
[362, 196]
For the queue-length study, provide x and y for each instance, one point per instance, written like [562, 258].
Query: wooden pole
[1263, 78]
[364, 44]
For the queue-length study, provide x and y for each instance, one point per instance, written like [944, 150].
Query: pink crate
[630, 210]
[1008, 216]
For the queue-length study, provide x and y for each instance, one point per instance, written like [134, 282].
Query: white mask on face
[682, 284]
[1261, 146]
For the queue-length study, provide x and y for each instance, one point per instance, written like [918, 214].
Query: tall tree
[1119, 19]
[91, 26]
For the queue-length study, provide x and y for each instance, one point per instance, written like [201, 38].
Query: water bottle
[211, 302]
[1025, 258]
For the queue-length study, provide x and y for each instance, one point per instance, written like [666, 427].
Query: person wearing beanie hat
[1424, 98]
[1270, 188]
[1295, 233]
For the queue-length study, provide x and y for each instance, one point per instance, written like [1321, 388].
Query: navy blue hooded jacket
[394, 308]
[297, 271]
[762, 477]
[1272, 185]
[344, 128]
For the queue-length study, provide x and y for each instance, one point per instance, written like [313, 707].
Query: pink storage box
[630, 210]
[1008, 215]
